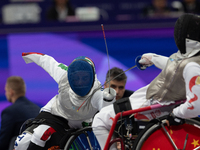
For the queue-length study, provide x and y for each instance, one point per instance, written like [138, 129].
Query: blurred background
[66, 29]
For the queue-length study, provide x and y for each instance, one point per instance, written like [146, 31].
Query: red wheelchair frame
[171, 143]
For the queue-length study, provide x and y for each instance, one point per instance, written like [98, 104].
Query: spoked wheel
[83, 139]
[185, 137]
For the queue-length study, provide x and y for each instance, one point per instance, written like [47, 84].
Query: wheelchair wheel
[153, 136]
[83, 139]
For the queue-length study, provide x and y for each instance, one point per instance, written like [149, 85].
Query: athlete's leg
[40, 136]
[22, 141]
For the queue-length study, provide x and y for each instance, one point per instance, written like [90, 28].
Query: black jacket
[127, 93]
[13, 117]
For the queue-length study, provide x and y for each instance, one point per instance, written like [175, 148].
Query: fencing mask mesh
[187, 26]
[81, 75]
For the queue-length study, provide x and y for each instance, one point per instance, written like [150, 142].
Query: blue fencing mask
[81, 75]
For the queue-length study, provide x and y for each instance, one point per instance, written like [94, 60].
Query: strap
[122, 105]
[58, 123]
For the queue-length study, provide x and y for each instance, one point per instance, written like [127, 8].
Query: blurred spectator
[60, 10]
[158, 9]
[118, 84]
[16, 114]
[191, 6]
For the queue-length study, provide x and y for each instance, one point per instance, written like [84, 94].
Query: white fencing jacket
[66, 103]
[191, 74]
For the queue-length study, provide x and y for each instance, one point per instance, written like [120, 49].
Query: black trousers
[59, 124]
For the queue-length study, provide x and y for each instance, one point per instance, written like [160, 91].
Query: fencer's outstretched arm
[149, 59]
[190, 108]
[48, 63]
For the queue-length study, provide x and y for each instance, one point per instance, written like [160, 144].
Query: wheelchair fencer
[179, 79]
[142, 135]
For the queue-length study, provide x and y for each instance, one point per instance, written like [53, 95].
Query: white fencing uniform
[191, 76]
[65, 104]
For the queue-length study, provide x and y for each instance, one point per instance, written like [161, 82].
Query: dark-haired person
[119, 83]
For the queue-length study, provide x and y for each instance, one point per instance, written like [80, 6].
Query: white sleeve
[190, 108]
[48, 63]
[159, 61]
[102, 124]
[149, 59]
[98, 102]
[101, 134]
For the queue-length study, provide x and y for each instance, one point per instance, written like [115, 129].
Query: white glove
[145, 61]
[109, 94]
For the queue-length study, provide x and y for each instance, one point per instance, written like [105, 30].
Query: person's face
[119, 87]
[81, 79]
[8, 92]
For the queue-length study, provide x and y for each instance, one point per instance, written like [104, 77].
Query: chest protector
[169, 84]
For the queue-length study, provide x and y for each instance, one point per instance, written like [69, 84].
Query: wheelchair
[82, 139]
[155, 135]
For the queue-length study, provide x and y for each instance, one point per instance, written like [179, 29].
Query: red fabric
[191, 84]
[159, 141]
[54, 148]
[47, 133]
[24, 54]
[139, 116]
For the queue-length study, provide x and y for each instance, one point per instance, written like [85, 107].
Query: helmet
[187, 26]
[81, 75]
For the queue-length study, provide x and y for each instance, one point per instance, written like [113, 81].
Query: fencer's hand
[146, 60]
[109, 94]
[173, 120]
